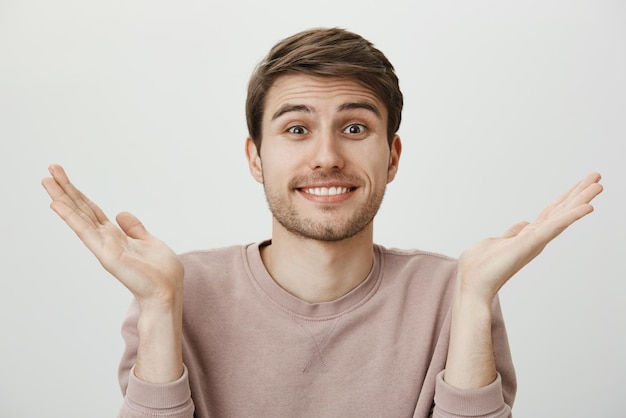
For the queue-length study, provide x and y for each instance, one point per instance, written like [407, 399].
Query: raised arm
[486, 266]
[142, 263]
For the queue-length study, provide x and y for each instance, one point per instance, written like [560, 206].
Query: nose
[326, 153]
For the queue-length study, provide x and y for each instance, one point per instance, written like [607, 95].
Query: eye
[298, 130]
[355, 129]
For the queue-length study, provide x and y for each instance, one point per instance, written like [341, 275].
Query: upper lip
[327, 184]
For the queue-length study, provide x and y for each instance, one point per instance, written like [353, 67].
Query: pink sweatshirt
[251, 349]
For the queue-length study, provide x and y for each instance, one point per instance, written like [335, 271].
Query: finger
[564, 201]
[71, 196]
[82, 227]
[580, 187]
[66, 190]
[585, 196]
[557, 224]
[62, 204]
[132, 226]
[577, 204]
[578, 210]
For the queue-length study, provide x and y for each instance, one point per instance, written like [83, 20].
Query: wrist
[473, 292]
[471, 313]
[159, 319]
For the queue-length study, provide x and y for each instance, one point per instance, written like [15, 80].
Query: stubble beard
[290, 218]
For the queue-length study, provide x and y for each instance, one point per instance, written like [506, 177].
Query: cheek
[377, 167]
[283, 158]
[276, 169]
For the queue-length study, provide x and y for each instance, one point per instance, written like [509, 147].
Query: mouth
[327, 191]
[328, 188]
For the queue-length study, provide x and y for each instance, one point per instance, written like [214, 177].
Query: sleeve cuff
[483, 401]
[158, 395]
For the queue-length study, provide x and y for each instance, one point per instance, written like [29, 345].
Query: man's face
[325, 159]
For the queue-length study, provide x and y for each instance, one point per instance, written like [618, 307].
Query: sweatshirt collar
[295, 306]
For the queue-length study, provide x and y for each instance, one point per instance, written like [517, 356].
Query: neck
[318, 271]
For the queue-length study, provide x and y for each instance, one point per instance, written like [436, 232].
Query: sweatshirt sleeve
[492, 401]
[487, 402]
[144, 399]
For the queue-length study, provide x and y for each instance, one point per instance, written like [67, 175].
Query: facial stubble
[286, 213]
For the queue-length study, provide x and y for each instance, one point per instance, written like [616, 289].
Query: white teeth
[327, 191]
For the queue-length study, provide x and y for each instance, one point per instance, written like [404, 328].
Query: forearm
[152, 358]
[470, 363]
[159, 351]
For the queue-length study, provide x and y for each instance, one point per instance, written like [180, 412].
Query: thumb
[131, 225]
[515, 229]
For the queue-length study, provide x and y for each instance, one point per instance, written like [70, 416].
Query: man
[318, 321]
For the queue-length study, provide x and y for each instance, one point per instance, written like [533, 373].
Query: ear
[394, 158]
[254, 160]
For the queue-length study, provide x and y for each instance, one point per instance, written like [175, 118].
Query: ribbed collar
[320, 311]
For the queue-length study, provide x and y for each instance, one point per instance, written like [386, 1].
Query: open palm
[487, 265]
[143, 263]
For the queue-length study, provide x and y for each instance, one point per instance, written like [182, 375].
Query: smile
[327, 191]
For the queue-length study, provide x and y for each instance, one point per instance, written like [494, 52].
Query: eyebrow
[308, 109]
[360, 105]
[292, 108]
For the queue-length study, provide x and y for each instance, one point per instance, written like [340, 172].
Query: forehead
[306, 89]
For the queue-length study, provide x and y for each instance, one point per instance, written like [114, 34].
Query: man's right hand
[144, 264]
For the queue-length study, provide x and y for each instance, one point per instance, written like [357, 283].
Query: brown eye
[354, 129]
[298, 130]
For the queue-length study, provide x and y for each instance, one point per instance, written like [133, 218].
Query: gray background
[507, 105]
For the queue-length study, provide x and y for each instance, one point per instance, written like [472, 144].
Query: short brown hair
[324, 52]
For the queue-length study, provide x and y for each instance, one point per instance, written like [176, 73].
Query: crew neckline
[296, 306]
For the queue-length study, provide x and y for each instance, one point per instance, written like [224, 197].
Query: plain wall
[507, 105]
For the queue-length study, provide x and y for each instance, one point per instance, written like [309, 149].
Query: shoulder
[212, 256]
[415, 258]
[210, 267]
[417, 271]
